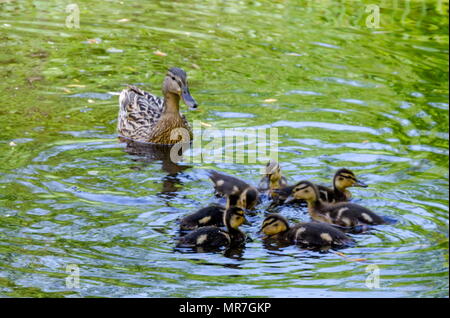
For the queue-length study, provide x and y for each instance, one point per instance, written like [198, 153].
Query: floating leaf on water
[114, 50]
[270, 100]
[205, 124]
[123, 20]
[40, 54]
[12, 144]
[66, 90]
[91, 101]
[195, 66]
[159, 53]
[93, 41]
[76, 85]
[357, 259]
[293, 54]
[32, 79]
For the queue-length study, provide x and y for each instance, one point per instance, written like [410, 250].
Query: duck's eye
[340, 178]
[306, 191]
[173, 78]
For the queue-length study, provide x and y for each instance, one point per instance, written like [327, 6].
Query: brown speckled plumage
[148, 118]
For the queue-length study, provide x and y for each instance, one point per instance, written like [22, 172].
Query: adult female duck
[148, 118]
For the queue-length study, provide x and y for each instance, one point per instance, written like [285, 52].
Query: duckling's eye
[173, 78]
[340, 178]
[306, 191]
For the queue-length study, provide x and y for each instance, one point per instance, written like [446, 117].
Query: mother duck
[147, 118]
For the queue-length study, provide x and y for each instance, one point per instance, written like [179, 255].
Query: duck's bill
[188, 99]
[361, 184]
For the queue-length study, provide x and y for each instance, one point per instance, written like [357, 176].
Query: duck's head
[234, 217]
[176, 83]
[248, 198]
[274, 224]
[345, 178]
[305, 190]
[273, 171]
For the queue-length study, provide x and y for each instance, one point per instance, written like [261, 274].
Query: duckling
[209, 216]
[310, 234]
[342, 213]
[240, 193]
[343, 179]
[272, 179]
[213, 237]
[147, 118]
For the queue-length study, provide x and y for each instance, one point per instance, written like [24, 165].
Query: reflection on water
[341, 95]
[146, 153]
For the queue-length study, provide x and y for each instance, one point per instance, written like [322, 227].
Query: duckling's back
[317, 234]
[209, 236]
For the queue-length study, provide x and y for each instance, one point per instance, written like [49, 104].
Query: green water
[374, 100]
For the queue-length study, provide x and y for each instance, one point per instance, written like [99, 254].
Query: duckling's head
[273, 171]
[248, 198]
[345, 178]
[274, 224]
[234, 217]
[176, 83]
[305, 190]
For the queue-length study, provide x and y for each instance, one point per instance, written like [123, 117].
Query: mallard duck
[310, 234]
[210, 215]
[343, 179]
[239, 193]
[344, 214]
[212, 236]
[147, 118]
[272, 179]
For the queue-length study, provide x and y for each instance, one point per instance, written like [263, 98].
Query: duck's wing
[326, 193]
[138, 112]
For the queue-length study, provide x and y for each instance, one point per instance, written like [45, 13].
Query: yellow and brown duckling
[308, 234]
[147, 118]
[343, 179]
[214, 237]
[239, 193]
[344, 214]
[210, 215]
[272, 179]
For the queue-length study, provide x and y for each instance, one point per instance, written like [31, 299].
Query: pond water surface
[340, 93]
